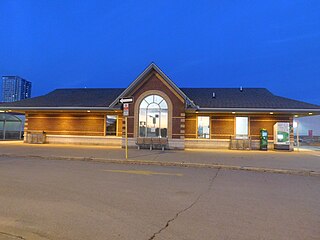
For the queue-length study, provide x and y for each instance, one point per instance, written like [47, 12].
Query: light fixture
[296, 115]
[271, 113]
[233, 112]
[310, 113]
[88, 111]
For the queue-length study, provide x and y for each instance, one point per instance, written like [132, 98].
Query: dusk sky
[76, 44]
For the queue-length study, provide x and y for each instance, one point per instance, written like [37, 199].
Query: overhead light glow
[233, 112]
[310, 113]
[271, 113]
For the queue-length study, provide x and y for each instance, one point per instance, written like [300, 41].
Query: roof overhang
[310, 111]
[57, 108]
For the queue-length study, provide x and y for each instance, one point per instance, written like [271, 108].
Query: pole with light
[296, 126]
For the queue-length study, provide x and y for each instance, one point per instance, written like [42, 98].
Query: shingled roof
[71, 97]
[245, 98]
[225, 98]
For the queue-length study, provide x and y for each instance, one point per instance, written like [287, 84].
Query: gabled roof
[248, 98]
[142, 76]
[226, 99]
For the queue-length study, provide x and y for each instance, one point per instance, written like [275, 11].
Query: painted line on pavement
[146, 173]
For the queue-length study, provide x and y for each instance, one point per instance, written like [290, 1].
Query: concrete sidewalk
[303, 162]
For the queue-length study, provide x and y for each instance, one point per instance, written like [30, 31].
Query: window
[203, 127]
[241, 127]
[111, 126]
[153, 117]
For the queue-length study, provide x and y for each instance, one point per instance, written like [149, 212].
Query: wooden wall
[93, 124]
[267, 122]
[85, 124]
[223, 126]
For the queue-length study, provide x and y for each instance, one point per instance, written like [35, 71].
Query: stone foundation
[207, 143]
[84, 140]
[177, 144]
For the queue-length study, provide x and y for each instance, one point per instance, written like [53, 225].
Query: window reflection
[153, 117]
[111, 126]
[204, 127]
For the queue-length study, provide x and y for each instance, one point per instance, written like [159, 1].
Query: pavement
[306, 161]
[47, 199]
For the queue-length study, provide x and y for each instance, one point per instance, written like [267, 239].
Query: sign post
[125, 102]
[298, 137]
[126, 114]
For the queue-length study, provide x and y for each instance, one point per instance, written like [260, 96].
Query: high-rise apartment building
[15, 88]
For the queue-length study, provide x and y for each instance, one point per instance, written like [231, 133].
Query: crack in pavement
[12, 235]
[187, 208]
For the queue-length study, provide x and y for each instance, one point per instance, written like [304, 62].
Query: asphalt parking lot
[307, 160]
[51, 199]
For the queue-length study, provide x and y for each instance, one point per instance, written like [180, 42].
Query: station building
[186, 117]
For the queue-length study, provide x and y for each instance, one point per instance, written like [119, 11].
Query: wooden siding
[223, 126]
[85, 124]
[266, 122]
[191, 127]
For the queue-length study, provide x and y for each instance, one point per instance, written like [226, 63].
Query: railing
[152, 143]
[38, 137]
[10, 135]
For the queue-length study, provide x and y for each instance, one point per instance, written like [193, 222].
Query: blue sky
[67, 44]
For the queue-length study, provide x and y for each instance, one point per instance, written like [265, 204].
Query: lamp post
[296, 126]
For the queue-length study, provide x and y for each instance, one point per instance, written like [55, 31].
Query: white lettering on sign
[126, 100]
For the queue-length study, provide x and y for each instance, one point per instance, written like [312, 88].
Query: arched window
[153, 117]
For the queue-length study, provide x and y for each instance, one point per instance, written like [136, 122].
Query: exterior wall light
[233, 112]
[310, 113]
[271, 113]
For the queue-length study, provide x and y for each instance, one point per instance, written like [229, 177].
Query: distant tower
[15, 88]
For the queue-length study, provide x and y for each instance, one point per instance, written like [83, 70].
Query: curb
[302, 172]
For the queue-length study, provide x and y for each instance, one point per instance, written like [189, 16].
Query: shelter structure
[10, 127]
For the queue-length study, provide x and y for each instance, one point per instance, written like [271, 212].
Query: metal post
[4, 129]
[298, 143]
[126, 118]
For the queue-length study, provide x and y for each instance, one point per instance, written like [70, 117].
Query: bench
[152, 143]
